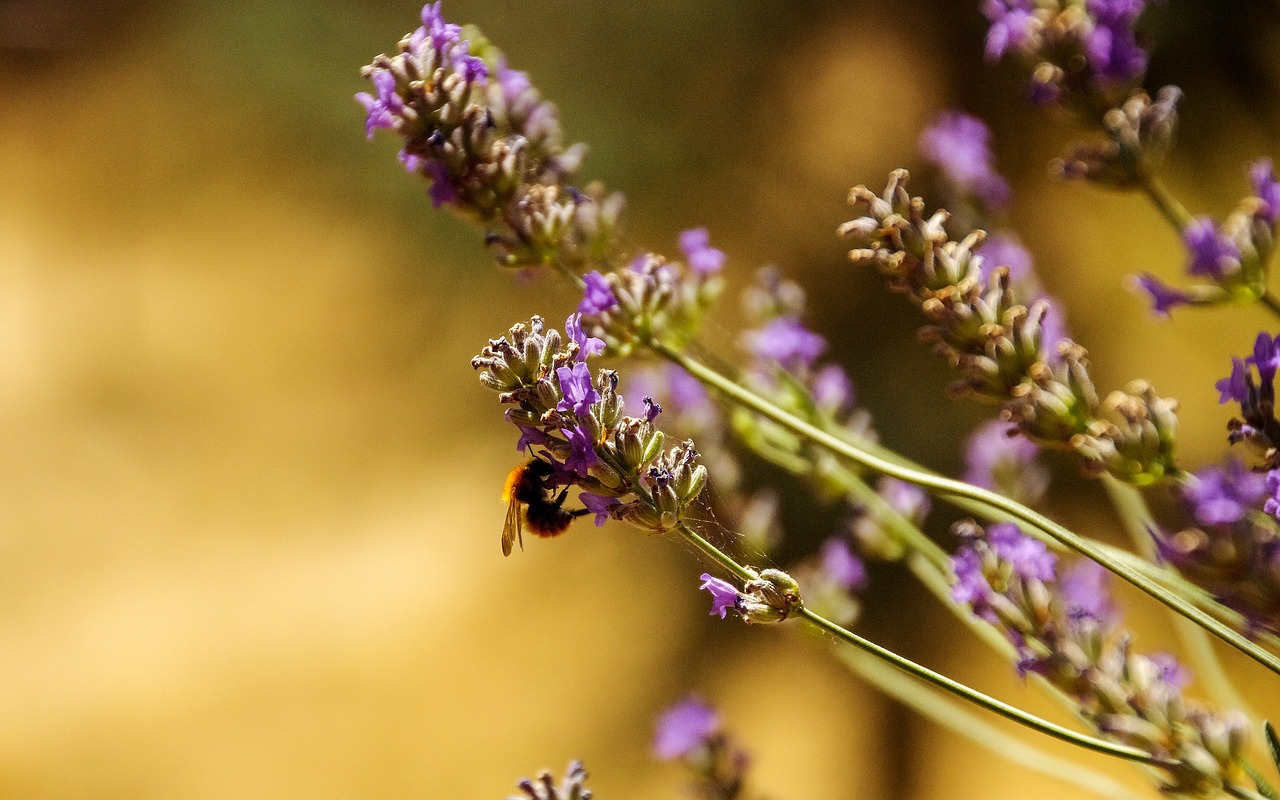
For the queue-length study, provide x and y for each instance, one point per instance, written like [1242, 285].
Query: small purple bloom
[442, 33]
[582, 453]
[832, 390]
[960, 146]
[1235, 386]
[683, 728]
[1028, 557]
[724, 596]
[382, 110]
[471, 68]
[1163, 296]
[786, 341]
[587, 345]
[1223, 495]
[1170, 669]
[703, 258]
[688, 395]
[578, 391]
[1086, 593]
[1266, 356]
[841, 564]
[1011, 22]
[1272, 506]
[905, 498]
[597, 296]
[530, 437]
[1002, 250]
[599, 505]
[971, 587]
[441, 191]
[651, 409]
[1213, 255]
[995, 454]
[1267, 189]
[1111, 46]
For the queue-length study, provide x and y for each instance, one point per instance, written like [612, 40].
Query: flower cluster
[1079, 52]
[1139, 133]
[490, 146]
[999, 345]
[1066, 629]
[1227, 544]
[653, 299]
[1232, 258]
[691, 732]
[544, 787]
[576, 419]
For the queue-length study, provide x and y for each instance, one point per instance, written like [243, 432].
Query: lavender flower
[683, 728]
[1267, 189]
[1065, 629]
[724, 596]
[691, 732]
[597, 296]
[702, 257]
[786, 342]
[959, 145]
[998, 344]
[1224, 541]
[1164, 298]
[840, 563]
[1212, 254]
[1257, 426]
[997, 458]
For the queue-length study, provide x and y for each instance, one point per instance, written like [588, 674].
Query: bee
[530, 503]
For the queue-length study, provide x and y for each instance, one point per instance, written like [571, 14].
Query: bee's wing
[513, 527]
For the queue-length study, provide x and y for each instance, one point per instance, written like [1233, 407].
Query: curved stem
[924, 673]
[1165, 202]
[949, 488]
[956, 717]
[1271, 302]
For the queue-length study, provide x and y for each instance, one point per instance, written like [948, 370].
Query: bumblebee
[530, 504]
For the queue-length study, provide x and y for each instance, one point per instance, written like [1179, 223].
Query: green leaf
[1273, 744]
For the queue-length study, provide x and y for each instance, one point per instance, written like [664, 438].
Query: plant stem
[1271, 302]
[957, 718]
[924, 673]
[948, 488]
[1165, 202]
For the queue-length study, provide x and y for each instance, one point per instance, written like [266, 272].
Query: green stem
[1165, 202]
[949, 488]
[924, 673]
[957, 717]
[1271, 302]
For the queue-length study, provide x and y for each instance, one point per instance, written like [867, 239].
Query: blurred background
[249, 540]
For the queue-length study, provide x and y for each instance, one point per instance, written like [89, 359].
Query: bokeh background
[248, 542]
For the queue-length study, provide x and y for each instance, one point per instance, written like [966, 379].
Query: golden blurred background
[249, 547]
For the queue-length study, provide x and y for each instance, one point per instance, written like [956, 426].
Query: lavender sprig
[692, 733]
[544, 787]
[999, 346]
[1066, 630]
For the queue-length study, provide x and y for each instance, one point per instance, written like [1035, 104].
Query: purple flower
[1267, 189]
[703, 258]
[597, 296]
[578, 391]
[1163, 296]
[1213, 255]
[1011, 23]
[971, 587]
[997, 458]
[471, 68]
[1272, 506]
[1170, 670]
[441, 191]
[832, 390]
[960, 146]
[905, 498]
[599, 505]
[383, 109]
[688, 395]
[587, 345]
[442, 34]
[582, 454]
[1002, 250]
[787, 342]
[1223, 495]
[1111, 47]
[1029, 558]
[530, 437]
[651, 409]
[683, 728]
[841, 564]
[1086, 593]
[724, 597]
[1235, 386]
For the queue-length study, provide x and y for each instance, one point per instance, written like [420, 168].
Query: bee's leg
[560, 498]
